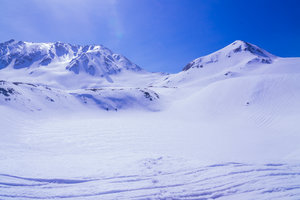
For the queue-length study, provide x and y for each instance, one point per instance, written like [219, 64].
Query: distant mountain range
[95, 60]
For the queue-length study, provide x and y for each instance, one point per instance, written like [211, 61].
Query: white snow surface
[226, 130]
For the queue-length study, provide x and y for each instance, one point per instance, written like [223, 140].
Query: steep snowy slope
[68, 66]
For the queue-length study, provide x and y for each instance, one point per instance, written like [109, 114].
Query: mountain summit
[238, 51]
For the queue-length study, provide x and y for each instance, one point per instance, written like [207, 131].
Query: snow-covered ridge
[95, 60]
[37, 97]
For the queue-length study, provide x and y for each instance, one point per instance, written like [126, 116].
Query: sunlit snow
[226, 127]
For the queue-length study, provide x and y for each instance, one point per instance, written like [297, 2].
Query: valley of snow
[226, 127]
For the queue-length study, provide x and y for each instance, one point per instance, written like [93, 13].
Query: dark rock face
[61, 49]
[260, 60]
[239, 49]
[188, 66]
[255, 50]
[4, 63]
[46, 61]
[23, 61]
[74, 66]
[7, 91]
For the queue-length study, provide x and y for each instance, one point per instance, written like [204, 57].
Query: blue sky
[158, 35]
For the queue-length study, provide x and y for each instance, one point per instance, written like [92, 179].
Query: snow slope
[226, 127]
[238, 81]
[36, 97]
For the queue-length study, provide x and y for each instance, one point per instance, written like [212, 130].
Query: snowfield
[146, 156]
[226, 127]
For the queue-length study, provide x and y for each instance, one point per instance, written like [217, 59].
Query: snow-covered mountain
[242, 69]
[74, 69]
[238, 58]
[67, 66]
[239, 80]
[77, 126]
[235, 53]
[95, 60]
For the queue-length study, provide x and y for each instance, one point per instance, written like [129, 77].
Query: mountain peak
[238, 51]
[238, 42]
[95, 60]
[240, 45]
[9, 41]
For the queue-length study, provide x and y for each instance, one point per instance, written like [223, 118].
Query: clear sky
[158, 35]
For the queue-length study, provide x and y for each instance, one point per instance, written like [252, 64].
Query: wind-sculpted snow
[149, 181]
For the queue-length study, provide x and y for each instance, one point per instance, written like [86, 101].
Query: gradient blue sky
[158, 35]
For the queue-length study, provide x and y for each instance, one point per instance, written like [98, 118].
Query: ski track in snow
[129, 156]
[220, 181]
